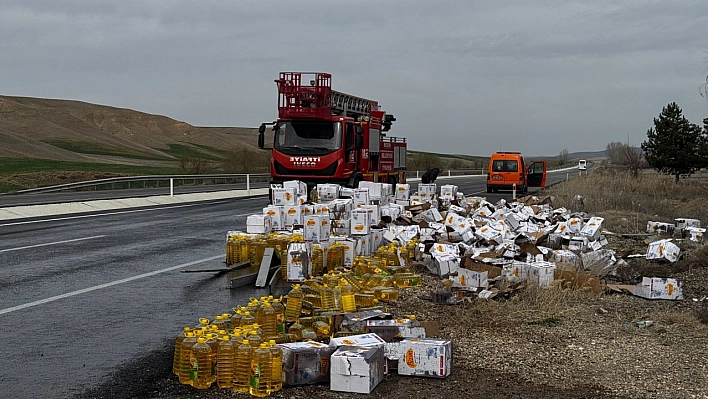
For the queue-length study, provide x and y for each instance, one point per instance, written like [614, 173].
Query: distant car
[582, 164]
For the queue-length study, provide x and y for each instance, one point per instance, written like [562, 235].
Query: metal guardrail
[151, 181]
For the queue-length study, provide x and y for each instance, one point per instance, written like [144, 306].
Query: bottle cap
[245, 342]
[272, 342]
[201, 340]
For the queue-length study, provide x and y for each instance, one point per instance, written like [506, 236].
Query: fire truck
[325, 136]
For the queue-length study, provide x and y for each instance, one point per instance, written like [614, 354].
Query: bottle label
[193, 368]
[255, 374]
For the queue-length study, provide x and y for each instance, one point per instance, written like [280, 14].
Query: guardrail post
[416, 174]
[248, 184]
[449, 173]
[172, 187]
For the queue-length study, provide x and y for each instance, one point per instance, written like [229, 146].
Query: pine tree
[674, 144]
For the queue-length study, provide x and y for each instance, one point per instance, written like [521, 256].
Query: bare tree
[563, 157]
[634, 158]
[426, 160]
[615, 152]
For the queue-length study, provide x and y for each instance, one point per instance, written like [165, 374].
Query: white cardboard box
[341, 208]
[258, 224]
[284, 196]
[448, 192]
[327, 192]
[659, 288]
[360, 222]
[357, 369]
[394, 328]
[298, 262]
[542, 273]
[374, 214]
[591, 229]
[468, 279]
[306, 362]
[403, 192]
[277, 216]
[312, 228]
[422, 357]
[300, 187]
[361, 197]
[663, 249]
[682, 223]
[370, 339]
[293, 215]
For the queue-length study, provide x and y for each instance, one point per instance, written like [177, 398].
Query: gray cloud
[460, 76]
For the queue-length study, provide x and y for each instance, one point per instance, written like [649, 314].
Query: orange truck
[508, 171]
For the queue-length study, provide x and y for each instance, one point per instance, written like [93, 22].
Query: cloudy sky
[465, 76]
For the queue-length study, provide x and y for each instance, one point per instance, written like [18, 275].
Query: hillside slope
[77, 131]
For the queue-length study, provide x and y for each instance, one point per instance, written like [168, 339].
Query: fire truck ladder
[345, 104]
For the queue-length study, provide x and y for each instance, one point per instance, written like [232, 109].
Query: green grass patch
[189, 151]
[88, 147]
[10, 166]
[215, 150]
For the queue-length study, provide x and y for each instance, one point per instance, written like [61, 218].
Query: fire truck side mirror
[359, 130]
[261, 128]
[261, 138]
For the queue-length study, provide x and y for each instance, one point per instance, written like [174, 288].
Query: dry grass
[628, 202]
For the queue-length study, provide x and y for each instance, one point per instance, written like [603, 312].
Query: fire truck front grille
[283, 171]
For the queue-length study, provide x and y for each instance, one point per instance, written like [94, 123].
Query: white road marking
[51, 243]
[108, 214]
[106, 285]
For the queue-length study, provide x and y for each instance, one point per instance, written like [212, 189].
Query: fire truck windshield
[299, 137]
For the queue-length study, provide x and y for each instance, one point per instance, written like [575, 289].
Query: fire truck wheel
[357, 179]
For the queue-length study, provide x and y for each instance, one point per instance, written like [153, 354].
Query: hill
[64, 130]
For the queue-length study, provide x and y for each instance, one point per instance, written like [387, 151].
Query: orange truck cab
[507, 170]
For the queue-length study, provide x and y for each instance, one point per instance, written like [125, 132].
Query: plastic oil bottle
[185, 354]
[279, 316]
[277, 373]
[317, 259]
[348, 301]
[247, 319]
[328, 297]
[321, 328]
[269, 321]
[254, 339]
[201, 362]
[178, 348]
[225, 363]
[296, 330]
[261, 371]
[294, 305]
[242, 367]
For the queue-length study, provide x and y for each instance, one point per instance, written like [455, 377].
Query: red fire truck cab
[324, 136]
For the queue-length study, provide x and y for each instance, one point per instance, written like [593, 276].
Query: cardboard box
[284, 196]
[370, 339]
[663, 249]
[391, 329]
[277, 216]
[446, 264]
[696, 233]
[516, 271]
[360, 222]
[293, 215]
[361, 197]
[374, 213]
[423, 357]
[356, 322]
[327, 192]
[341, 208]
[313, 228]
[300, 187]
[448, 192]
[357, 369]
[682, 223]
[469, 279]
[660, 228]
[258, 224]
[298, 262]
[306, 362]
[591, 229]
[403, 192]
[426, 192]
[659, 288]
[542, 273]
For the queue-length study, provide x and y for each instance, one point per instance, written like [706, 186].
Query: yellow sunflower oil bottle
[296, 330]
[294, 305]
[185, 354]
[277, 373]
[247, 319]
[225, 363]
[254, 339]
[201, 362]
[178, 348]
[328, 297]
[269, 321]
[261, 371]
[242, 367]
[348, 301]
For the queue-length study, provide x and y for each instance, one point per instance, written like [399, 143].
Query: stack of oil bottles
[239, 351]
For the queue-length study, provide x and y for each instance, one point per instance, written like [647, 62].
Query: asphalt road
[83, 295]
